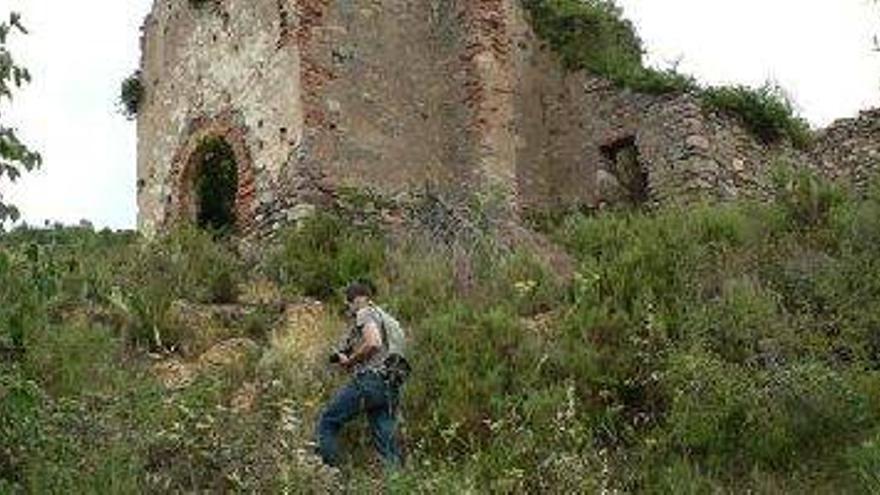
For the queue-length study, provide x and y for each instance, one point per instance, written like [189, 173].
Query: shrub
[21, 415]
[476, 362]
[186, 264]
[744, 324]
[75, 358]
[587, 34]
[21, 304]
[766, 111]
[326, 253]
[131, 95]
[420, 280]
[806, 198]
[863, 463]
[721, 411]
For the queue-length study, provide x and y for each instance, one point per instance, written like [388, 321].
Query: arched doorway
[213, 178]
[215, 185]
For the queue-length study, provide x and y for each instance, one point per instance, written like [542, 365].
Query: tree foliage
[15, 156]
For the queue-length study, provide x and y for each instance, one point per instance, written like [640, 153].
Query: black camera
[334, 357]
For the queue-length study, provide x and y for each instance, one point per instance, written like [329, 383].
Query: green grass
[719, 348]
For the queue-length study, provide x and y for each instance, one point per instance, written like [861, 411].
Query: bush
[806, 198]
[593, 35]
[743, 325]
[21, 304]
[326, 253]
[186, 264]
[723, 412]
[863, 463]
[131, 95]
[587, 34]
[718, 348]
[21, 414]
[766, 111]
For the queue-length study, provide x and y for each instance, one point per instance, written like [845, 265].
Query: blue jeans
[366, 392]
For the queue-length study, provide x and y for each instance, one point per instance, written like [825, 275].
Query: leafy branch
[15, 156]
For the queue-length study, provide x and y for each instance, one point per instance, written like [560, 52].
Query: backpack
[397, 368]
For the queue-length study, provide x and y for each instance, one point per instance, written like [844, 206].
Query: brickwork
[212, 64]
[319, 96]
[184, 169]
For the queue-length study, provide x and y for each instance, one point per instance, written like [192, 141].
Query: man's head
[359, 293]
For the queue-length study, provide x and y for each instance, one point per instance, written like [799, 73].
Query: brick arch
[182, 204]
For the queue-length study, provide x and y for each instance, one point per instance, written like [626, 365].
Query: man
[364, 355]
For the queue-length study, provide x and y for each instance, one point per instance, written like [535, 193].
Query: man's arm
[371, 342]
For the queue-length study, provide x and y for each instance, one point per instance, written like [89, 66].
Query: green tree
[15, 156]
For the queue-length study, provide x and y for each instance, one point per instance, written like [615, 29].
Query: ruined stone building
[299, 99]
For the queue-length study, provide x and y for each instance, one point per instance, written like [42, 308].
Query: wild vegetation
[594, 35]
[721, 348]
[131, 94]
[15, 156]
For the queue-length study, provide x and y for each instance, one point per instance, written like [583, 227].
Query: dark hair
[359, 288]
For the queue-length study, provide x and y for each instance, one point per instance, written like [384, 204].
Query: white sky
[79, 52]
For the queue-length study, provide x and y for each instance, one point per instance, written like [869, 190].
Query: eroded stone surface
[316, 96]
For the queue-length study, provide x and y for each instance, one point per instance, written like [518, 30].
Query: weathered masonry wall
[383, 82]
[317, 96]
[849, 149]
[569, 123]
[228, 72]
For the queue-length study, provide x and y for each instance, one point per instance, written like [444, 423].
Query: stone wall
[569, 122]
[849, 149]
[386, 113]
[227, 70]
[318, 96]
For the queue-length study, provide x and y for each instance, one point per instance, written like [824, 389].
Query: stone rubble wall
[849, 150]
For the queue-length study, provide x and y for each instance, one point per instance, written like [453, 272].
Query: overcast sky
[79, 52]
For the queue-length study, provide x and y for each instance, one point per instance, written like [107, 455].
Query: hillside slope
[722, 348]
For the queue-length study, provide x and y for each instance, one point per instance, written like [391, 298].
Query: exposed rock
[229, 353]
[303, 338]
[260, 292]
[173, 373]
[199, 326]
[176, 373]
[300, 213]
[849, 149]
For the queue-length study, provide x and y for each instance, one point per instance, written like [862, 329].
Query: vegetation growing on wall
[593, 35]
[131, 95]
[766, 111]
